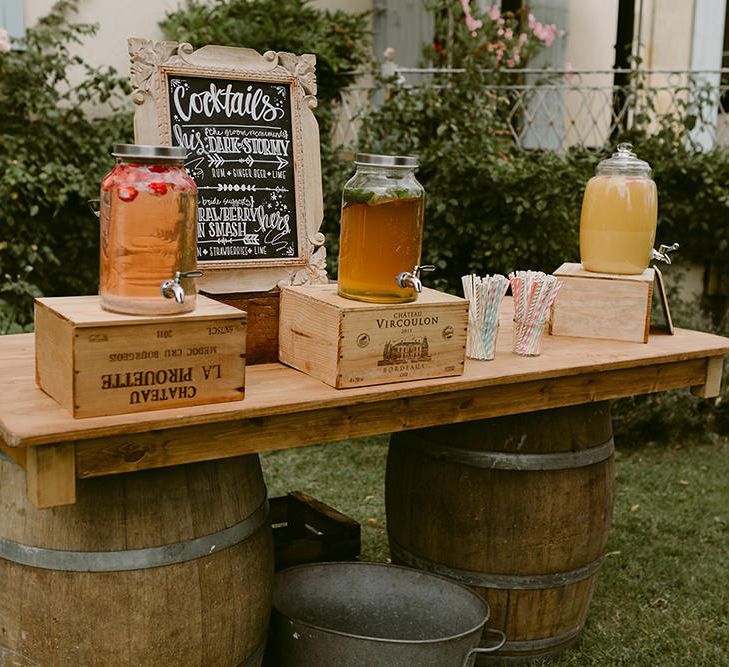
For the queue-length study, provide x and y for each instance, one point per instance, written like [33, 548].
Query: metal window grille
[551, 109]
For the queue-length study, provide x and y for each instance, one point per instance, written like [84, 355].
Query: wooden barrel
[162, 567]
[516, 507]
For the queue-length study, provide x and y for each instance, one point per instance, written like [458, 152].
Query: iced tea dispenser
[382, 231]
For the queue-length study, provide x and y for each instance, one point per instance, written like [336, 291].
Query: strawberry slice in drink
[158, 188]
[127, 193]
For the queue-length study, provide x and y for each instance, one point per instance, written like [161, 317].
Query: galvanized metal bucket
[375, 615]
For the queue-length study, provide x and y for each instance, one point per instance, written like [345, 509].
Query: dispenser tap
[172, 289]
[412, 278]
[662, 253]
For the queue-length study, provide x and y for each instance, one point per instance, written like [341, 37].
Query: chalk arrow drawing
[214, 160]
[279, 160]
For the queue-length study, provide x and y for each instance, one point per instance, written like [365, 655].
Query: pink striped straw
[534, 293]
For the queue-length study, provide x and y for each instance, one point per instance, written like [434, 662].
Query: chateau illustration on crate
[405, 352]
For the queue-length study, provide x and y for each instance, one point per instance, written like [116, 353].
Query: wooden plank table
[285, 408]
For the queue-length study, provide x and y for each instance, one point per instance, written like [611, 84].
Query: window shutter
[404, 25]
[11, 18]
[546, 108]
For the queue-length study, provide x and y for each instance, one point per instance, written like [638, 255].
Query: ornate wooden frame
[151, 65]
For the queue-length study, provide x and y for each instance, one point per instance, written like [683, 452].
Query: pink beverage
[148, 234]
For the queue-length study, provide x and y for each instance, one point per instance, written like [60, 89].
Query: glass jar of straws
[484, 300]
[534, 293]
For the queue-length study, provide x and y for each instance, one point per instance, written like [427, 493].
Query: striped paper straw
[534, 293]
[484, 296]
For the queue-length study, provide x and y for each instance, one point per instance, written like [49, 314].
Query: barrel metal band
[134, 559]
[524, 582]
[513, 461]
[529, 645]
[525, 649]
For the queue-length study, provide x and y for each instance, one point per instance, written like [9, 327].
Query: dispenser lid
[144, 152]
[624, 163]
[405, 161]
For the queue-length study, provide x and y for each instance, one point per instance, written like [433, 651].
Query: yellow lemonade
[618, 224]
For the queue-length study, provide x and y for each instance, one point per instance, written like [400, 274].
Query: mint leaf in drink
[375, 198]
[404, 194]
[393, 195]
[358, 196]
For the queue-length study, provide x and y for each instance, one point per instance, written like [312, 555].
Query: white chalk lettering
[251, 104]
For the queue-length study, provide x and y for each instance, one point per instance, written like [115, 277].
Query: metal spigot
[95, 207]
[172, 289]
[412, 278]
[662, 253]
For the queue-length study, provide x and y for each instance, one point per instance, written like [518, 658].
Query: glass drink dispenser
[619, 215]
[148, 215]
[382, 231]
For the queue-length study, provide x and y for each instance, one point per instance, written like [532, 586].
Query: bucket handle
[474, 651]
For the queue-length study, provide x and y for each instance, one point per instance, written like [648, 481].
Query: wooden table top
[30, 417]
[285, 408]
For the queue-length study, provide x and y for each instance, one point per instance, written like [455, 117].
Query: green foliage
[54, 154]
[493, 207]
[339, 39]
[693, 199]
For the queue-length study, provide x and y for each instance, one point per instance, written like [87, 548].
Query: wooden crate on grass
[306, 530]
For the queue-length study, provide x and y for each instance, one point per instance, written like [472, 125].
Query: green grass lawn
[663, 594]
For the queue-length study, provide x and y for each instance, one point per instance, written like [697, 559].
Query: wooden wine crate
[602, 305]
[348, 343]
[262, 323]
[96, 363]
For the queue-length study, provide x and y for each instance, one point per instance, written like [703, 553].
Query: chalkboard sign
[240, 143]
[247, 122]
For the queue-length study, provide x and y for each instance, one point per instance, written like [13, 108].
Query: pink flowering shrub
[490, 39]
[4, 41]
